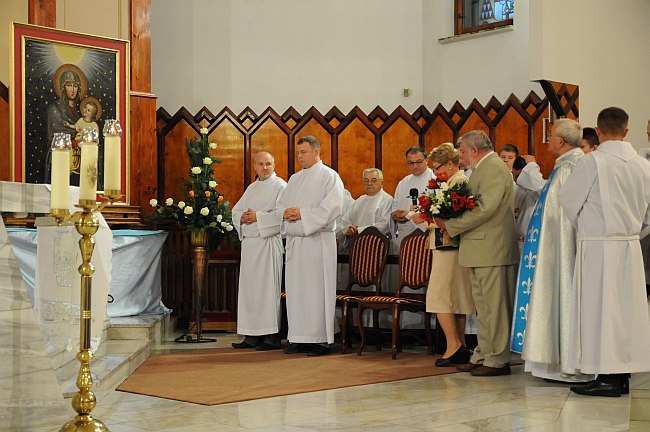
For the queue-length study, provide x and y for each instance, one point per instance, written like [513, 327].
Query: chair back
[367, 261]
[414, 263]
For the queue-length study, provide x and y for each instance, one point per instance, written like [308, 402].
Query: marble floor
[456, 402]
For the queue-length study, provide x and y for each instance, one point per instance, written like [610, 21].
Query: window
[475, 15]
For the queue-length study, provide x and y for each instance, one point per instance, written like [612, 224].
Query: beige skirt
[450, 290]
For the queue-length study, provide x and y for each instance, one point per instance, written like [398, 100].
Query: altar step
[130, 341]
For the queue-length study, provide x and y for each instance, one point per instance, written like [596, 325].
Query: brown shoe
[467, 367]
[491, 371]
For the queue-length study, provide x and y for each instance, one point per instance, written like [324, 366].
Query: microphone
[413, 193]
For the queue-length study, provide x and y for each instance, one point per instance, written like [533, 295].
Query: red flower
[424, 202]
[471, 203]
[433, 184]
[442, 176]
[457, 201]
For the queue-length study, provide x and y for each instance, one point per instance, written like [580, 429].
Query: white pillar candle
[112, 163]
[88, 174]
[60, 196]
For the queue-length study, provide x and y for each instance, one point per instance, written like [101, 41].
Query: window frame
[458, 21]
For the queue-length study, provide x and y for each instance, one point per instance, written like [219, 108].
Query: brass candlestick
[84, 401]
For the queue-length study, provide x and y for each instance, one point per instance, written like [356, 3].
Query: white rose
[207, 161]
[153, 202]
[205, 211]
[219, 217]
[223, 224]
[169, 201]
[181, 204]
[213, 145]
[444, 186]
[204, 131]
[196, 170]
[188, 210]
[212, 184]
[229, 228]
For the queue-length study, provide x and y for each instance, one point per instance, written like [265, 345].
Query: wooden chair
[367, 260]
[414, 272]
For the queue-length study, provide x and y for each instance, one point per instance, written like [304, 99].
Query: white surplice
[403, 201]
[607, 197]
[310, 271]
[546, 347]
[260, 276]
[368, 211]
[348, 202]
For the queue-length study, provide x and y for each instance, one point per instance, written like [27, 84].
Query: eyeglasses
[436, 168]
[413, 163]
[370, 181]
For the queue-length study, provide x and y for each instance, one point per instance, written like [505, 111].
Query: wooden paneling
[176, 164]
[140, 45]
[512, 129]
[230, 151]
[42, 12]
[398, 138]
[356, 151]
[271, 138]
[144, 152]
[319, 130]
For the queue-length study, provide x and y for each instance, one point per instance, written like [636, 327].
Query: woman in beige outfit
[449, 293]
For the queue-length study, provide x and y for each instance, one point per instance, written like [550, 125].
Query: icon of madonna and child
[65, 97]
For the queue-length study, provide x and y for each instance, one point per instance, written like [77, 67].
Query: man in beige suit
[488, 246]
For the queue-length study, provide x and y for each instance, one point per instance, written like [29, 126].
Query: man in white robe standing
[260, 276]
[540, 330]
[607, 197]
[371, 209]
[310, 204]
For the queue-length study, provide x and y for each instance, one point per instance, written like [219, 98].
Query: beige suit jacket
[487, 233]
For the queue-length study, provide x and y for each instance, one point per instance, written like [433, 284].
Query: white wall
[495, 64]
[603, 47]
[283, 53]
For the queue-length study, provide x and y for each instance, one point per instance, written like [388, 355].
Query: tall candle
[88, 172]
[60, 194]
[112, 163]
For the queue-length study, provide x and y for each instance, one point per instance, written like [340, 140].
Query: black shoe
[317, 350]
[461, 356]
[625, 386]
[265, 346]
[296, 348]
[598, 388]
[248, 342]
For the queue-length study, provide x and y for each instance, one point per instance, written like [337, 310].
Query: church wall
[603, 47]
[287, 53]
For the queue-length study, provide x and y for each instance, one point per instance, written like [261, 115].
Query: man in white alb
[607, 198]
[310, 204]
[371, 209]
[260, 275]
[402, 207]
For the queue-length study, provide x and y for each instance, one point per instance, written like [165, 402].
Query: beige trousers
[493, 290]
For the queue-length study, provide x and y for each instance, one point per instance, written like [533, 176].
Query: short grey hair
[569, 130]
[311, 140]
[263, 153]
[374, 170]
[477, 139]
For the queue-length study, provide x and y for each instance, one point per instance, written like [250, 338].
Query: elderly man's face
[417, 163]
[264, 166]
[555, 142]
[372, 183]
[307, 155]
[467, 156]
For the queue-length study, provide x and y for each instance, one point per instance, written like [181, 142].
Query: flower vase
[199, 241]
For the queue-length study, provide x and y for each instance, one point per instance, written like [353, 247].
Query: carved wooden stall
[350, 142]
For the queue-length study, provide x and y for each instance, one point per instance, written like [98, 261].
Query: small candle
[112, 156]
[88, 173]
[60, 194]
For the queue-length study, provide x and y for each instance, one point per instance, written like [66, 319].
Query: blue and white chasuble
[542, 313]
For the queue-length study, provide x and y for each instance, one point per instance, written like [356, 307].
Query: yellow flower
[192, 194]
[207, 193]
[220, 198]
